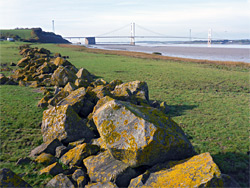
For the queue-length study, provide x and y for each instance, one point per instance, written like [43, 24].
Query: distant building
[10, 39]
[89, 40]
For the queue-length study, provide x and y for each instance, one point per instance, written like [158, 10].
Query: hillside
[32, 35]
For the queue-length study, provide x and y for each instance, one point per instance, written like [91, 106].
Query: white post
[209, 41]
[132, 42]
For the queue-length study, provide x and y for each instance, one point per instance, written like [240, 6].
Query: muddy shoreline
[207, 53]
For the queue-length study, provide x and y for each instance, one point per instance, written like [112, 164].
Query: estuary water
[218, 52]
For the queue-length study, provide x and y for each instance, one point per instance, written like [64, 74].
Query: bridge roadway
[177, 37]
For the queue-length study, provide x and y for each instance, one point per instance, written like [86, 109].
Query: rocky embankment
[100, 134]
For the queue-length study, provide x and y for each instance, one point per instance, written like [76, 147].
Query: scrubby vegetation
[31, 35]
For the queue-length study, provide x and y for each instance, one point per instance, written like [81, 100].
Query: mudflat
[207, 53]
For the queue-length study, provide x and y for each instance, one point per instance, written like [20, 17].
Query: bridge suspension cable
[150, 30]
[113, 31]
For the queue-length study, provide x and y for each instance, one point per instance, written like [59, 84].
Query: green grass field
[210, 103]
[22, 33]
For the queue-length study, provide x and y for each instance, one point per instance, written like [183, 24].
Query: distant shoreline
[190, 52]
[144, 55]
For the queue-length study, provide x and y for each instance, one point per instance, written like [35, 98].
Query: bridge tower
[53, 26]
[132, 42]
[209, 40]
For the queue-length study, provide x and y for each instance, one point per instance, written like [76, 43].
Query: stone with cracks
[104, 168]
[135, 92]
[62, 122]
[197, 171]
[62, 76]
[75, 156]
[139, 135]
[79, 102]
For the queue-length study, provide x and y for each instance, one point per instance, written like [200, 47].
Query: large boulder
[197, 171]
[135, 92]
[60, 180]
[79, 102]
[104, 168]
[62, 76]
[139, 135]
[75, 156]
[62, 122]
[10, 179]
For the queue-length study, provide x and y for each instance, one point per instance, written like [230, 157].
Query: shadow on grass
[178, 110]
[234, 164]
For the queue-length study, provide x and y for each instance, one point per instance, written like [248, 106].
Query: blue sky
[229, 18]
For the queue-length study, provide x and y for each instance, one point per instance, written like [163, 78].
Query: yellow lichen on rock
[196, 171]
[64, 123]
[139, 135]
[70, 87]
[52, 169]
[104, 168]
[45, 158]
[75, 156]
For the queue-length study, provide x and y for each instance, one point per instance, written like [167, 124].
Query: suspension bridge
[133, 36]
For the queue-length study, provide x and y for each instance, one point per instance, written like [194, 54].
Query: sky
[226, 18]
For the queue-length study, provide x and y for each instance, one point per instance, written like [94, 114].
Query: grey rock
[101, 185]
[61, 181]
[63, 122]
[61, 150]
[139, 135]
[10, 179]
[24, 160]
[104, 168]
[47, 147]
